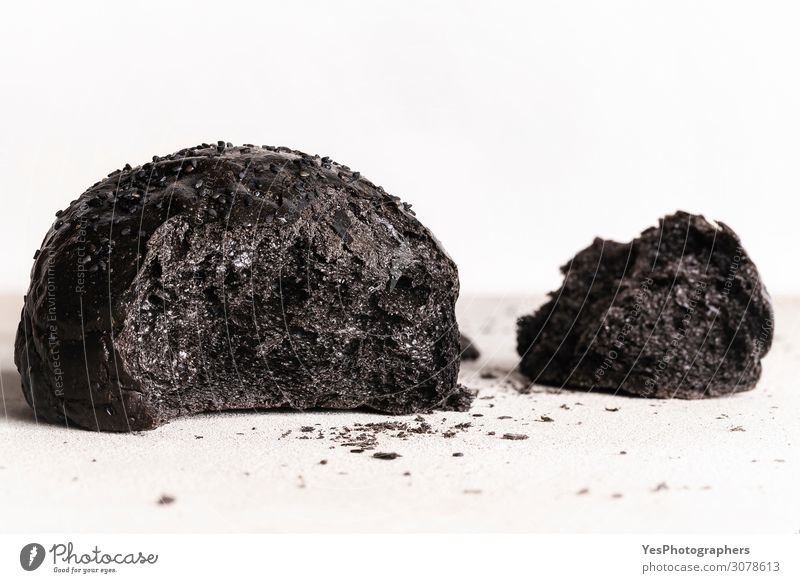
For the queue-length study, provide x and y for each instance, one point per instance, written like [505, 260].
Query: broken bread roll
[223, 277]
[680, 312]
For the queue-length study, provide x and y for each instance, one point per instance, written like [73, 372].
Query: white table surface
[684, 470]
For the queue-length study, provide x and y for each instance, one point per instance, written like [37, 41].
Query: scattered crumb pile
[365, 436]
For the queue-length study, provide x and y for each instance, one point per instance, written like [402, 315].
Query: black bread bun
[679, 312]
[224, 277]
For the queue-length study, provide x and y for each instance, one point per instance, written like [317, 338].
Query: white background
[519, 131]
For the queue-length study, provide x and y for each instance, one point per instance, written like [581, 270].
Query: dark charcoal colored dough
[678, 312]
[226, 277]
[468, 349]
